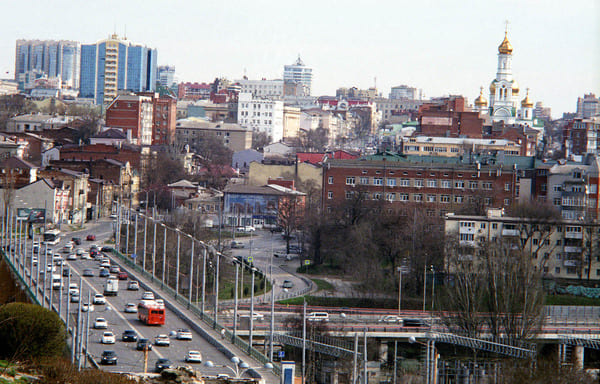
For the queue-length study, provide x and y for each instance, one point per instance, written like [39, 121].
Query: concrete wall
[260, 173]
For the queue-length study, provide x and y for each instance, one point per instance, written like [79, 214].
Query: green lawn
[571, 300]
[323, 285]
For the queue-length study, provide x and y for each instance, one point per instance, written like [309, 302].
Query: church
[504, 94]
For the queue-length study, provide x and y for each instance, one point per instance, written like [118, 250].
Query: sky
[440, 46]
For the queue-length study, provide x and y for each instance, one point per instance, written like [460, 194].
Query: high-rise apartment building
[47, 58]
[588, 106]
[166, 75]
[116, 64]
[261, 115]
[299, 74]
[402, 92]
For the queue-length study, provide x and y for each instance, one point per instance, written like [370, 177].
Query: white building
[401, 92]
[272, 89]
[298, 73]
[261, 115]
[166, 75]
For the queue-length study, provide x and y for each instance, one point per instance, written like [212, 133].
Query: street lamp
[401, 269]
[431, 359]
[239, 368]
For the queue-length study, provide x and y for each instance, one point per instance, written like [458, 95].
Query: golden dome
[505, 47]
[481, 101]
[526, 102]
[515, 87]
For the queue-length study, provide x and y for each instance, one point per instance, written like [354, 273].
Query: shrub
[28, 331]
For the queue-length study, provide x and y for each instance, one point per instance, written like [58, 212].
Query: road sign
[306, 262]
[250, 259]
[133, 255]
[281, 354]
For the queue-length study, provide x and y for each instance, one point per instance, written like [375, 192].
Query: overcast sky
[443, 47]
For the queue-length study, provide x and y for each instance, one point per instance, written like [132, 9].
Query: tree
[13, 105]
[290, 212]
[29, 331]
[164, 170]
[260, 140]
[213, 151]
[314, 139]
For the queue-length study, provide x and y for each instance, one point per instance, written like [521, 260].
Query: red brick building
[438, 187]
[164, 118]
[193, 91]
[133, 114]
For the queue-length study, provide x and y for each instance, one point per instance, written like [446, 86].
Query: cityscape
[330, 214]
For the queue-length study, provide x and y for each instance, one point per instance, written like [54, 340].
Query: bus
[151, 313]
[52, 237]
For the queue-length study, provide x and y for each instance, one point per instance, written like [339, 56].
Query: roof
[182, 184]
[15, 162]
[270, 189]
[39, 117]
[313, 158]
[192, 123]
[111, 133]
[458, 140]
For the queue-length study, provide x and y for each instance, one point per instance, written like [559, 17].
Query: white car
[99, 299]
[67, 248]
[51, 268]
[72, 256]
[184, 334]
[100, 323]
[79, 252]
[255, 317]
[85, 307]
[34, 260]
[148, 296]
[160, 302]
[130, 308]
[194, 357]
[73, 288]
[162, 340]
[105, 264]
[108, 338]
[393, 319]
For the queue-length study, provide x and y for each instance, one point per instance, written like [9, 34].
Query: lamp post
[240, 366]
[251, 312]
[432, 286]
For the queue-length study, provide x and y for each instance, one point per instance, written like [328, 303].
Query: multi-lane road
[129, 359]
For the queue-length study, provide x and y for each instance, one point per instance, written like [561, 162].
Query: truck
[111, 288]
[56, 281]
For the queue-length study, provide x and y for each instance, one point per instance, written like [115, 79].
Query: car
[34, 260]
[91, 237]
[194, 357]
[237, 244]
[67, 248]
[51, 268]
[184, 334]
[66, 272]
[79, 252]
[130, 308]
[88, 272]
[122, 275]
[160, 302]
[100, 323]
[255, 317]
[143, 344]
[162, 340]
[129, 335]
[246, 228]
[390, 319]
[94, 253]
[87, 307]
[99, 299]
[104, 272]
[287, 284]
[73, 288]
[106, 249]
[74, 297]
[317, 316]
[105, 264]
[72, 256]
[162, 364]
[133, 286]
[76, 240]
[148, 295]
[108, 357]
[107, 338]
[113, 268]
[113, 216]
[36, 248]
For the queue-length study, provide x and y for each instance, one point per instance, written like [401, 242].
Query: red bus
[151, 313]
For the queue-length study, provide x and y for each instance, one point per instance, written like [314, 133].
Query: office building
[272, 89]
[261, 115]
[404, 92]
[49, 59]
[166, 75]
[588, 106]
[116, 64]
[300, 75]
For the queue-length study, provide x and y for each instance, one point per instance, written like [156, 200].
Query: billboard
[32, 215]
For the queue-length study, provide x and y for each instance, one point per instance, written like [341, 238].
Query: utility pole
[87, 328]
[191, 273]
[203, 307]
[164, 260]
[235, 300]
[217, 290]
[177, 263]
[251, 312]
[145, 233]
[366, 376]
[304, 343]
[272, 318]
[154, 250]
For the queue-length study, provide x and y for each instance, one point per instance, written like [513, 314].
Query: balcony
[573, 235]
[570, 263]
[572, 249]
[510, 232]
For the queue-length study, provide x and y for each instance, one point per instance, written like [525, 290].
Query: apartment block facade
[133, 114]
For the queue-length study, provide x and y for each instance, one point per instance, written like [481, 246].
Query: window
[557, 201]
[418, 197]
[467, 237]
[472, 185]
[350, 180]
[486, 185]
[330, 195]
[458, 199]
[507, 187]
[431, 198]
[418, 183]
[348, 195]
[446, 184]
[577, 175]
[482, 225]
[459, 184]
[377, 196]
[535, 241]
[391, 182]
[445, 198]
[377, 181]
[403, 197]
[571, 270]
[390, 196]
[557, 270]
[506, 201]
[431, 183]
[494, 225]
[405, 182]
[364, 180]
[330, 180]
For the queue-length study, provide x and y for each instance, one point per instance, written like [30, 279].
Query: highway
[129, 359]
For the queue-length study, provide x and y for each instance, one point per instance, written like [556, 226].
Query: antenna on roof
[125, 37]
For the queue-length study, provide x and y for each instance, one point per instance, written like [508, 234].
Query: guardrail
[206, 317]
